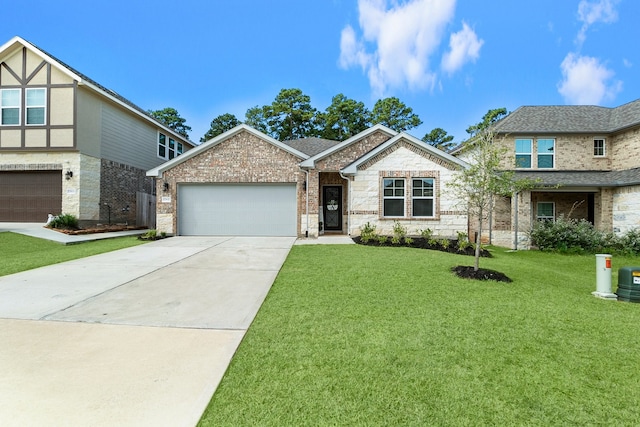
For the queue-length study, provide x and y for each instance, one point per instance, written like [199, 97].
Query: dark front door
[332, 207]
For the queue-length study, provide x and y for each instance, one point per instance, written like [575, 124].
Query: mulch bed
[467, 272]
[98, 229]
[422, 243]
[463, 271]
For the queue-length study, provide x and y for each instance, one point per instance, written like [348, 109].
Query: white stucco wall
[365, 196]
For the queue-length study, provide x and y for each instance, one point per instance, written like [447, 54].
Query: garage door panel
[237, 209]
[30, 195]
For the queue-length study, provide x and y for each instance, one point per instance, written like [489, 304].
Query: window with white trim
[523, 153]
[393, 197]
[35, 106]
[9, 106]
[599, 147]
[546, 211]
[423, 197]
[546, 153]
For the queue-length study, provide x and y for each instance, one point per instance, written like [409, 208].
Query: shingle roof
[570, 119]
[311, 146]
[584, 178]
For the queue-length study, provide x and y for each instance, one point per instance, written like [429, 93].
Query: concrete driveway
[136, 337]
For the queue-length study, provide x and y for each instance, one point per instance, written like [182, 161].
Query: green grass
[355, 335]
[19, 252]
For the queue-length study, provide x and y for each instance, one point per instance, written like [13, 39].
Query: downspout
[348, 202]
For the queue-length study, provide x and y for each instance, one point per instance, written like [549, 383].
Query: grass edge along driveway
[21, 253]
[354, 335]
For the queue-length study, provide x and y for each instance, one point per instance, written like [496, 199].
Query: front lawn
[356, 335]
[20, 252]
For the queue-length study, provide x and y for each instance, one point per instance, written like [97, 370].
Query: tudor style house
[244, 182]
[69, 145]
[586, 160]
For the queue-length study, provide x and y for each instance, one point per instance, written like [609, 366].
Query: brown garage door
[30, 196]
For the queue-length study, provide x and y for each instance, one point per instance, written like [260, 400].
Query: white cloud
[397, 41]
[464, 46]
[586, 81]
[591, 12]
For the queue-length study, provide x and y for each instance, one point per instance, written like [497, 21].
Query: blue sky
[450, 61]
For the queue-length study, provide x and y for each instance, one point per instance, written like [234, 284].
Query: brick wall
[119, 184]
[243, 158]
[572, 152]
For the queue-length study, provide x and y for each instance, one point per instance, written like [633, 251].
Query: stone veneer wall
[626, 209]
[402, 160]
[243, 158]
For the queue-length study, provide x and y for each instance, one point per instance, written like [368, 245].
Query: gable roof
[352, 168]
[16, 42]
[311, 161]
[570, 119]
[157, 171]
[311, 145]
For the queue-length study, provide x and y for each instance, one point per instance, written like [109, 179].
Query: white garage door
[237, 210]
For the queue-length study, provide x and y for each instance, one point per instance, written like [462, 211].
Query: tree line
[291, 116]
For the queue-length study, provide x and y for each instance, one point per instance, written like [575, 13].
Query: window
[162, 146]
[36, 101]
[423, 197]
[546, 211]
[393, 197]
[172, 148]
[168, 148]
[10, 106]
[599, 148]
[546, 149]
[523, 153]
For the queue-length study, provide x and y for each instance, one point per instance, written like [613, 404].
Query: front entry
[332, 207]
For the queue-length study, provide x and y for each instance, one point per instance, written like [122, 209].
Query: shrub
[367, 232]
[408, 241]
[64, 221]
[382, 239]
[399, 230]
[427, 233]
[573, 236]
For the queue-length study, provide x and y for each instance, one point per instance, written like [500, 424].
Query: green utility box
[629, 284]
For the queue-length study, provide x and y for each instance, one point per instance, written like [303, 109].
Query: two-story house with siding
[586, 160]
[70, 145]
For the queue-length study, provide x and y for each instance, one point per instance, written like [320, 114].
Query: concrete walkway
[136, 337]
[40, 231]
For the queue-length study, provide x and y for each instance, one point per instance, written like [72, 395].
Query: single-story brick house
[244, 182]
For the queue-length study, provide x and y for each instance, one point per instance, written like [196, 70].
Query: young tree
[478, 185]
[394, 114]
[220, 125]
[344, 118]
[438, 138]
[171, 119]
